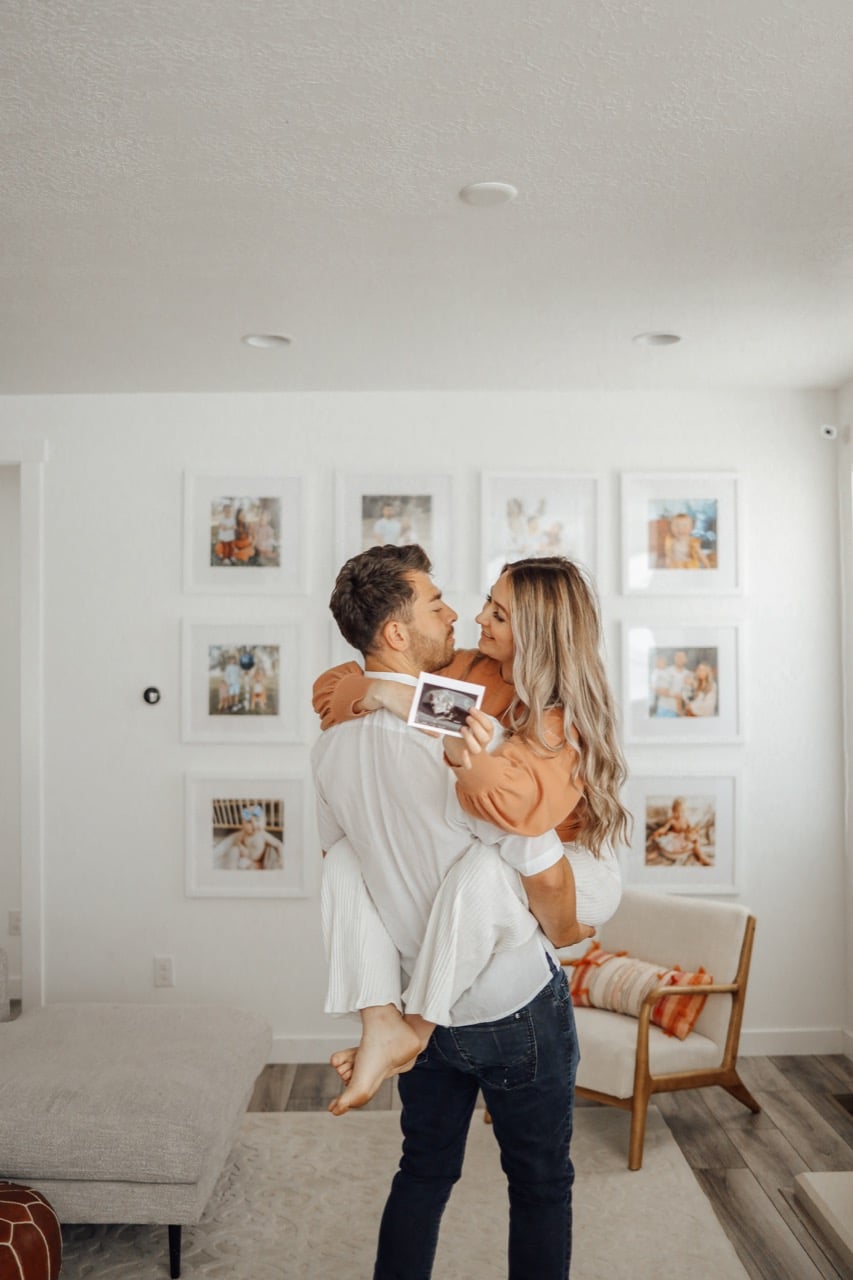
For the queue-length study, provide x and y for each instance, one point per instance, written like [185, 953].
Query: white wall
[10, 778]
[114, 821]
[845, 490]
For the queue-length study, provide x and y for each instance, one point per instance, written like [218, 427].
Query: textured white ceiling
[176, 173]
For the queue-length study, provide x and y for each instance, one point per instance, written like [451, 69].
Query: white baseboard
[793, 1040]
[788, 1040]
[314, 1048]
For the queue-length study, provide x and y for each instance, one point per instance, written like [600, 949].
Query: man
[670, 686]
[389, 526]
[384, 787]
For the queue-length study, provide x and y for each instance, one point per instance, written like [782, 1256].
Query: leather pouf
[30, 1238]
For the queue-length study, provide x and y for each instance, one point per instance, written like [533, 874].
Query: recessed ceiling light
[485, 193]
[266, 340]
[656, 339]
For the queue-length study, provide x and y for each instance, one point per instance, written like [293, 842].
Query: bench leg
[174, 1252]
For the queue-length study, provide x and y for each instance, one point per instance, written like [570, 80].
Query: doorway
[22, 711]
[10, 721]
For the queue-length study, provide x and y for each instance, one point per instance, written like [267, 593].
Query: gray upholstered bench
[126, 1113]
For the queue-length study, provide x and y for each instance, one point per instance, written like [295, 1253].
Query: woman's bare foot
[344, 1059]
[344, 1063]
[388, 1045]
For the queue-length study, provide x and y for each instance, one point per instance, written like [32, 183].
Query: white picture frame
[242, 681]
[396, 507]
[246, 835]
[689, 519]
[685, 834]
[268, 557]
[667, 697]
[529, 513]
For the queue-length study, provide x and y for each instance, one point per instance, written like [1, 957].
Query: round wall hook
[151, 695]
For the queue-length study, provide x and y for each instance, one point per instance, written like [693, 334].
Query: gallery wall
[115, 602]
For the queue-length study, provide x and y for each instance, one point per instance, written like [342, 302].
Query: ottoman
[30, 1238]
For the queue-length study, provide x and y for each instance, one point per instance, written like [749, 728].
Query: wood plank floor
[746, 1164]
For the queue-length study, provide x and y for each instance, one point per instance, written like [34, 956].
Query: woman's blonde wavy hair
[556, 627]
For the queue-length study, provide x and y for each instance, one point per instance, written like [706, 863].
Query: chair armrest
[645, 1018]
[713, 988]
[701, 989]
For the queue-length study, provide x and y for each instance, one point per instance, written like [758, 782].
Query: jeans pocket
[501, 1054]
[559, 989]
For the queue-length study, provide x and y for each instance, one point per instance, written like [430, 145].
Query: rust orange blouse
[514, 786]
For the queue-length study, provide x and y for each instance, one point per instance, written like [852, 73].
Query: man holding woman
[560, 759]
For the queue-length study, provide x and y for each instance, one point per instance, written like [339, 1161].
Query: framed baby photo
[682, 534]
[381, 508]
[244, 535]
[682, 684]
[684, 833]
[242, 682]
[525, 514]
[245, 835]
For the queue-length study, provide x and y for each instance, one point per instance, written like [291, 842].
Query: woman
[243, 546]
[560, 765]
[703, 698]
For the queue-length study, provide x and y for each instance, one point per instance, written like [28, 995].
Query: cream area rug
[301, 1197]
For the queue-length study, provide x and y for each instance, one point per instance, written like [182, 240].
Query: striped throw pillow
[615, 981]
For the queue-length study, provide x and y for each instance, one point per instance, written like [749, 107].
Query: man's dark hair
[372, 588]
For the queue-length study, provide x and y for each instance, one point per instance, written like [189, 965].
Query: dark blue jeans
[525, 1065]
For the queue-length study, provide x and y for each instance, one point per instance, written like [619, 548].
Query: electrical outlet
[164, 971]
[14, 924]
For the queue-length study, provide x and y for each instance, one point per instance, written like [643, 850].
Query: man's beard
[432, 655]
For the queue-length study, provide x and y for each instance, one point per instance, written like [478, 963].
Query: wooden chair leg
[743, 1095]
[638, 1129]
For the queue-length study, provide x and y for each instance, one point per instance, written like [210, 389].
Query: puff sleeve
[336, 692]
[521, 789]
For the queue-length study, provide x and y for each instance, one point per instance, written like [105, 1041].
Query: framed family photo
[243, 534]
[682, 684]
[374, 510]
[536, 514]
[684, 834]
[242, 682]
[245, 836]
[682, 533]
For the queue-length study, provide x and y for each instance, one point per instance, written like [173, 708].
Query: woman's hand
[580, 933]
[477, 733]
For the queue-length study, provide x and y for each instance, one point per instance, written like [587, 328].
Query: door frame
[30, 456]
